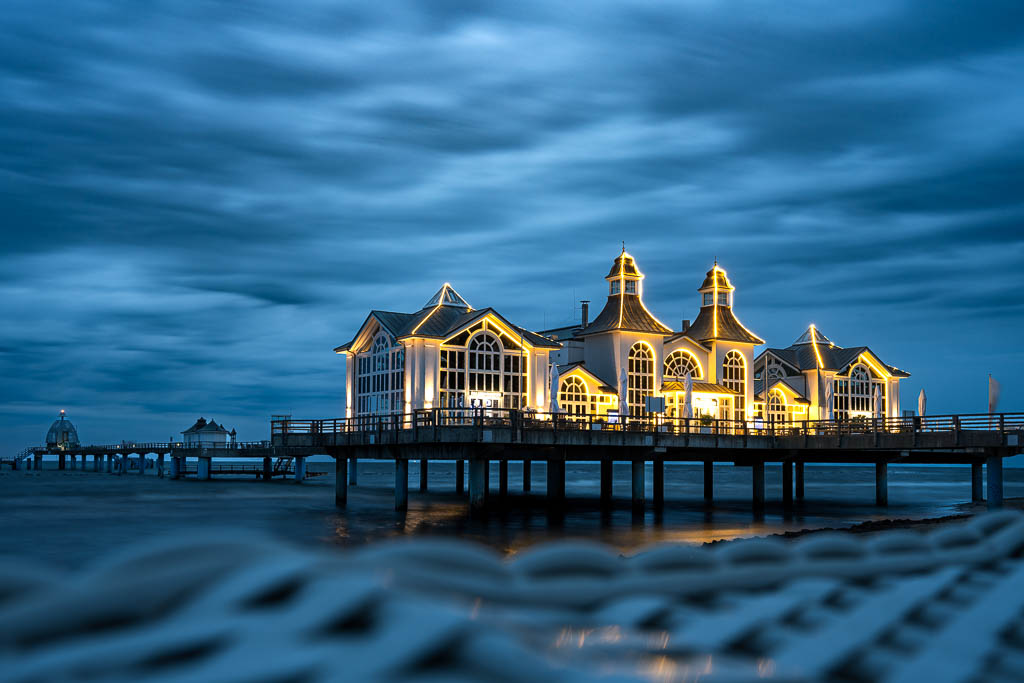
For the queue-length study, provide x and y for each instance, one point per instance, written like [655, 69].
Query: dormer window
[709, 298]
[723, 298]
[615, 286]
[630, 286]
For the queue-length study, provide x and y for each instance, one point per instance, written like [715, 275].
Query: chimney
[585, 312]
[686, 325]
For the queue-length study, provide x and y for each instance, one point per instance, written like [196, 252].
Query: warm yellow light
[814, 343]
[884, 373]
[714, 301]
[420, 323]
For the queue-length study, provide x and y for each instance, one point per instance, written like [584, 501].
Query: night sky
[199, 200]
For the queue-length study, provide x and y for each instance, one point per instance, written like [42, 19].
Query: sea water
[72, 517]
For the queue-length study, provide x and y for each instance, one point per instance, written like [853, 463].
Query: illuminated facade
[626, 341]
[450, 355]
[446, 355]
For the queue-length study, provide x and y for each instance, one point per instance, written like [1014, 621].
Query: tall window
[482, 360]
[680, 363]
[734, 376]
[380, 377]
[854, 395]
[573, 397]
[639, 376]
[776, 406]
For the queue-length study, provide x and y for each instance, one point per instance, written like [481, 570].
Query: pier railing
[153, 447]
[517, 419]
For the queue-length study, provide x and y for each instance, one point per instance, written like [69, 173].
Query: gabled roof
[625, 312]
[698, 388]
[802, 356]
[202, 425]
[441, 321]
[603, 384]
[728, 327]
[787, 388]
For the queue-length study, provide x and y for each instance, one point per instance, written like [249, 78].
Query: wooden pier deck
[480, 437]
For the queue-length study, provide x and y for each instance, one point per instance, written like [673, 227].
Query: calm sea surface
[72, 517]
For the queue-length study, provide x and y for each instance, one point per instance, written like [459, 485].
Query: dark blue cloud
[200, 200]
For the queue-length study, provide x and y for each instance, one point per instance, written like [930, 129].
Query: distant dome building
[62, 434]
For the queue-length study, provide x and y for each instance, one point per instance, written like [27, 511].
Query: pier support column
[607, 469]
[142, 464]
[638, 483]
[787, 483]
[503, 478]
[268, 469]
[527, 476]
[799, 481]
[460, 473]
[709, 482]
[977, 481]
[401, 484]
[300, 468]
[424, 474]
[477, 483]
[61, 462]
[487, 479]
[881, 483]
[203, 469]
[160, 465]
[340, 479]
[39, 463]
[556, 484]
[994, 465]
[353, 472]
[175, 468]
[108, 464]
[659, 484]
[757, 481]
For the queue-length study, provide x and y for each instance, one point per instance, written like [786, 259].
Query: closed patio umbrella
[623, 395]
[688, 399]
[555, 408]
[922, 403]
[828, 400]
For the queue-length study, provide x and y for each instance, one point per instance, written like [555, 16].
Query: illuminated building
[800, 378]
[204, 433]
[450, 355]
[446, 355]
[717, 351]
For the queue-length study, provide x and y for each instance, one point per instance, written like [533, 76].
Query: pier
[477, 439]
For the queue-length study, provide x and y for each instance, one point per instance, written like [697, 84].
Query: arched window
[854, 396]
[734, 376]
[639, 376]
[776, 406]
[485, 363]
[573, 397]
[679, 363]
[380, 377]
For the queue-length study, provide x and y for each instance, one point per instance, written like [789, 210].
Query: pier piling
[401, 484]
[556, 484]
[607, 468]
[757, 482]
[526, 476]
[340, 479]
[424, 474]
[203, 469]
[142, 464]
[175, 468]
[709, 482]
[977, 480]
[353, 472]
[881, 483]
[160, 465]
[300, 468]
[477, 483]
[638, 483]
[659, 484]
[787, 483]
[460, 470]
[503, 478]
[799, 481]
[268, 471]
[994, 465]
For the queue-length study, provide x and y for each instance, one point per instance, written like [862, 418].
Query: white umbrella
[828, 400]
[555, 408]
[922, 403]
[993, 394]
[688, 400]
[623, 395]
[876, 401]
